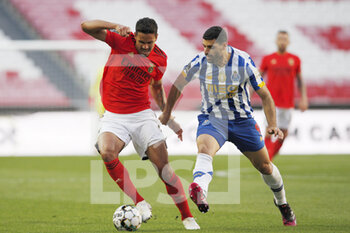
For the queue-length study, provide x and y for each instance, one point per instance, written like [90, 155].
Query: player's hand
[164, 118]
[123, 30]
[303, 105]
[175, 127]
[276, 132]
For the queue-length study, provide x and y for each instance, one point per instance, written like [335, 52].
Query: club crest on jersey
[291, 61]
[150, 68]
[235, 76]
[273, 61]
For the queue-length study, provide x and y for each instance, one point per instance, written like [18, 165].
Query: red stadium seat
[19, 92]
[203, 13]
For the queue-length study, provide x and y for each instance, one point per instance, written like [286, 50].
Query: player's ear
[156, 36]
[223, 45]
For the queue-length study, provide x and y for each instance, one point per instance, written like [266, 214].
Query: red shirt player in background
[282, 69]
[134, 64]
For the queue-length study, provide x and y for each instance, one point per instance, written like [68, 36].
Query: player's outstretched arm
[303, 103]
[97, 28]
[175, 93]
[158, 94]
[270, 112]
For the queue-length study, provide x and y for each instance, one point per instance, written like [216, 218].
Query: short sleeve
[255, 79]
[191, 70]
[160, 71]
[114, 40]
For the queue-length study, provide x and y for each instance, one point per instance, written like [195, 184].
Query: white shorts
[143, 128]
[283, 117]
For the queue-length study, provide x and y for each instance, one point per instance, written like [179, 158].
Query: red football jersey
[127, 75]
[281, 70]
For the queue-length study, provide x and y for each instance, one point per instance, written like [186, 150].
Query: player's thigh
[210, 136]
[246, 135]
[207, 144]
[260, 160]
[145, 134]
[113, 135]
[109, 145]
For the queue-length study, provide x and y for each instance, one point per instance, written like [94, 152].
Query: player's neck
[224, 59]
[281, 52]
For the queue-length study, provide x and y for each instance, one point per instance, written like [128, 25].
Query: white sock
[275, 182]
[203, 171]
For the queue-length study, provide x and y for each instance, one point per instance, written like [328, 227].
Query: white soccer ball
[127, 218]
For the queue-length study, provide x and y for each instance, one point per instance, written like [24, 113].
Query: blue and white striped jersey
[224, 90]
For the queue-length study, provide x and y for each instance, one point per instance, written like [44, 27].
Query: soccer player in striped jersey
[224, 73]
[283, 69]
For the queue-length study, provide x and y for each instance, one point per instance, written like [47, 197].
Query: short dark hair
[215, 33]
[147, 25]
[282, 32]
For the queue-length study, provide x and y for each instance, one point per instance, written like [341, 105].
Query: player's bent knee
[265, 168]
[166, 173]
[203, 148]
[108, 154]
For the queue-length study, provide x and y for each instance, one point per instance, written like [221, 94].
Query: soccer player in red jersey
[282, 68]
[135, 62]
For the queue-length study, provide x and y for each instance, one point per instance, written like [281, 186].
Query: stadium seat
[22, 84]
[314, 37]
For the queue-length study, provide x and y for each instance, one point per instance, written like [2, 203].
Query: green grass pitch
[52, 194]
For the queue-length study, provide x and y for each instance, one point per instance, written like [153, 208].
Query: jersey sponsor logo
[222, 91]
[134, 72]
[273, 61]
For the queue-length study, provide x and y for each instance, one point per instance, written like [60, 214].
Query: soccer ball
[127, 218]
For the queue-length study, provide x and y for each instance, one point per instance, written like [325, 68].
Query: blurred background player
[224, 73]
[282, 68]
[135, 63]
